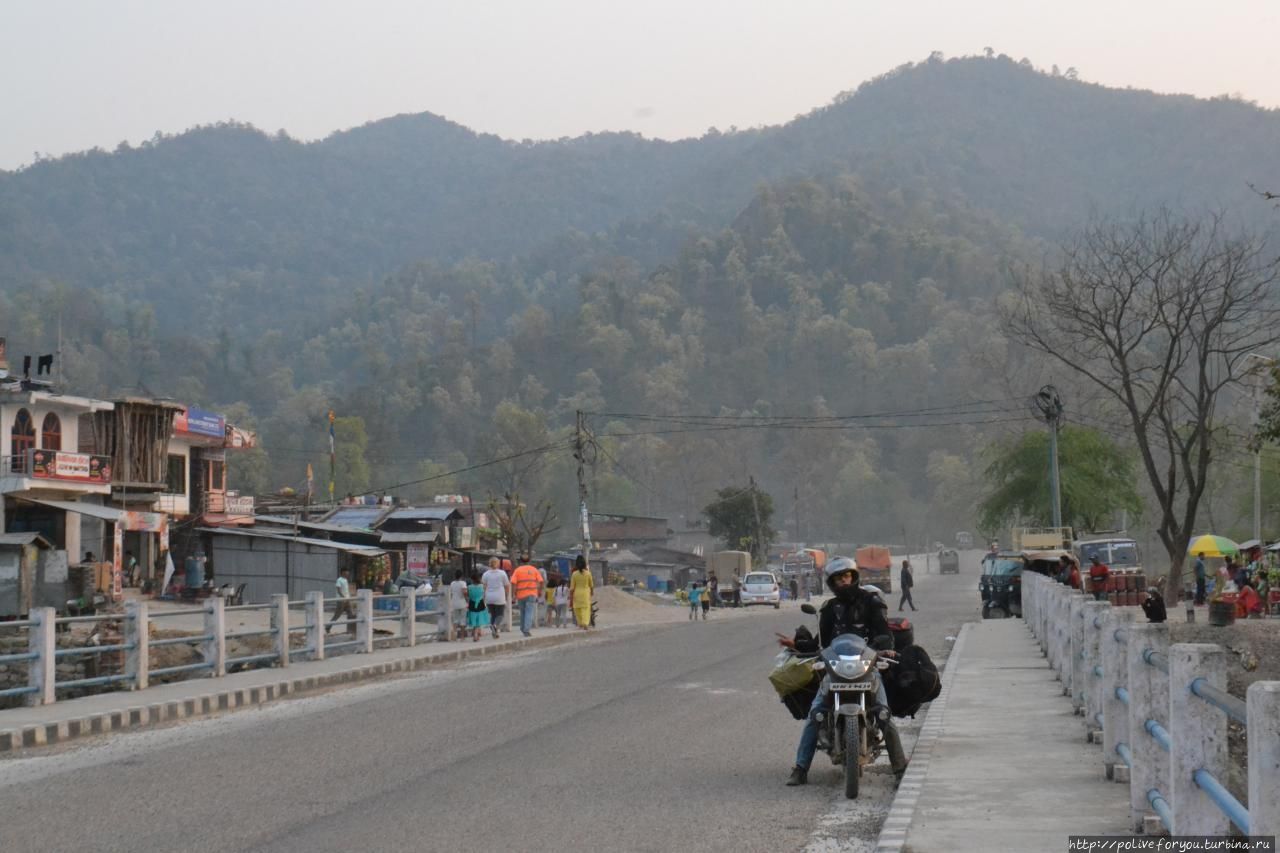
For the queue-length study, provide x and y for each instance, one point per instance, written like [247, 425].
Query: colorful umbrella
[1212, 546]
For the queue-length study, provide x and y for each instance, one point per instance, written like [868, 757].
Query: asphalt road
[656, 738]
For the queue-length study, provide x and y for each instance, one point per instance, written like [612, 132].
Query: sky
[78, 74]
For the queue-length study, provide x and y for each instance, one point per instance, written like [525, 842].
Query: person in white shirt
[562, 603]
[496, 588]
[458, 596]
[343, 606]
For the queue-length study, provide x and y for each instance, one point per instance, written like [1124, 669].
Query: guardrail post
[1199, 738]
[1115, 716]
[1148, 700]
[214, 649]
[42, 641]
[1262, 700]
[364, 620]
[1057, 631]
[136, 633]
[506, 617]
[1078, 678]
[409, 616]
[1094, 611]
[446, 601]
[315, 618]
[280, 624]
[1045, 618]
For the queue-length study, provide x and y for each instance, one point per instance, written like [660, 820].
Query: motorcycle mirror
[808, 608]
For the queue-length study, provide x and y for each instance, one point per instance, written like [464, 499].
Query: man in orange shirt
[527, 586]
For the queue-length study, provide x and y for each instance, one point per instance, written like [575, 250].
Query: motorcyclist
[851, 610]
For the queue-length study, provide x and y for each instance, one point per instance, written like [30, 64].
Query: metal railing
[312, 617]
[1160, 711]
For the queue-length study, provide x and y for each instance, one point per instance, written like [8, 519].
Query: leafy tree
[742, 519]
[1097, 480]
[351, 444]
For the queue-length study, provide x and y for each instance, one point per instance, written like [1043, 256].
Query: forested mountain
[440, 285]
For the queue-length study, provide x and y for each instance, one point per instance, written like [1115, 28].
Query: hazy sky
[75, 74]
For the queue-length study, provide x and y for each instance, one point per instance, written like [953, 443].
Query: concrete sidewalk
[101, 713]
[1001, 763]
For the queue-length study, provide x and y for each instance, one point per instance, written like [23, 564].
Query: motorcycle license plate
[852, 686]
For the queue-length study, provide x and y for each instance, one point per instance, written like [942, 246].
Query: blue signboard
[201, 422]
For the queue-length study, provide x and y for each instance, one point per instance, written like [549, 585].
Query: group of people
[1069, 575]
[1252, 581]
[484, 600]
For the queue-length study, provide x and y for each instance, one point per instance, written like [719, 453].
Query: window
[51, 432]
[176, 480]
[22, 440]
[217, 475]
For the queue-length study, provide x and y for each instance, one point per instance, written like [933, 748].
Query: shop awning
[106, 513]
[24, 538]
[415, 536]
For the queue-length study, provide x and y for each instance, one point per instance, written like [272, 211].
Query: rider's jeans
[809, 737]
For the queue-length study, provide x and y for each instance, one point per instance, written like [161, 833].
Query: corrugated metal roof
[432, 513]
[364, 550]
[106, 513]
[24, 538]
[328, 527]
[356, 516]
[415, 536]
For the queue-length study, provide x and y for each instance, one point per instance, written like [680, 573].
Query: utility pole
[1050, 407]
[579, 455]
[755, 507]
[797, 513]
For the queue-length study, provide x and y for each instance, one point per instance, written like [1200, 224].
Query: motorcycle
[850, 731]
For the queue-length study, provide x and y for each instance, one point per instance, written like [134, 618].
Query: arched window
[51, 433]
[22, 439]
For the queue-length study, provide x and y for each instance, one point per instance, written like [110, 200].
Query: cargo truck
[875, 566]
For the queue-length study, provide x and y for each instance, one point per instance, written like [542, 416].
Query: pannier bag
[903, 634]
[796, 682]
[910, 683]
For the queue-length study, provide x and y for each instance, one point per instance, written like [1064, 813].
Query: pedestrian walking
[713, 590]
[496, 585]
[795, 588]
[527, 582]
[695, 596]
[581, 589]
[130, 569]
[343, 607]
[458, 602]
[562, 603]
[1200, 578]
[906, 580]
[477, 613]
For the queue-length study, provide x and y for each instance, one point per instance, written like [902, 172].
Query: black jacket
[863, 616]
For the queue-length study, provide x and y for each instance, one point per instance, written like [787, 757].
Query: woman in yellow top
[580, 589]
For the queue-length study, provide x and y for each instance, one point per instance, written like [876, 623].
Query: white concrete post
[42, 641]
[506, 619]
[280, 624]
[137, 660]
[1094, 611]
[1045, 607]
[1199, 738]
[1058, 602]
[446, 598]
[364, 620]
[1115, 673]
[1148, 700]
[1078, 679]
[315, 619]
[409, 616]
[1263, 702]
[214, 649]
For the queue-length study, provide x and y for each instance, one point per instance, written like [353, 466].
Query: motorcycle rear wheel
[852, 756]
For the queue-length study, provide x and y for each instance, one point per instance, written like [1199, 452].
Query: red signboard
[63, 465]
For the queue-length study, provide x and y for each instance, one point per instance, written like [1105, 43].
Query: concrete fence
[1160, 713]
[123, 643]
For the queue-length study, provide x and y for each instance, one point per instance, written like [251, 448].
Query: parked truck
[875, 566]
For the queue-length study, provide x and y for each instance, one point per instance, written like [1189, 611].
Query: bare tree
[1160, 315]
[520, 525]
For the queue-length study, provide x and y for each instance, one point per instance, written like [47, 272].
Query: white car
[761, 588]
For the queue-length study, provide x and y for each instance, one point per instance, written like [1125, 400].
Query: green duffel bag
[791, 674]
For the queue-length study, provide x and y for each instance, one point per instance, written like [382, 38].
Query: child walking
[695, 595]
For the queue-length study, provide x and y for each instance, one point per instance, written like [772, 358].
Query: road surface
[653, 738]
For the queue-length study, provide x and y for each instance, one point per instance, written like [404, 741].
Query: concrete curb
[138, 717]
[893, 833]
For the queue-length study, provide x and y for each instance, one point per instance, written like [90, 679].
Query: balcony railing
[61, 465]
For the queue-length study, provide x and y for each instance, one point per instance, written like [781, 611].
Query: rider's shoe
[799, 776]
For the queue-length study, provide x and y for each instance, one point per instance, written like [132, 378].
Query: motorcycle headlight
[852, 667]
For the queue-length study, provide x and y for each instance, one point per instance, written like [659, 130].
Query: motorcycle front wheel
[852, 756]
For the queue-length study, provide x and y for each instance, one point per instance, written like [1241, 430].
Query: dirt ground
[1254, 655]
